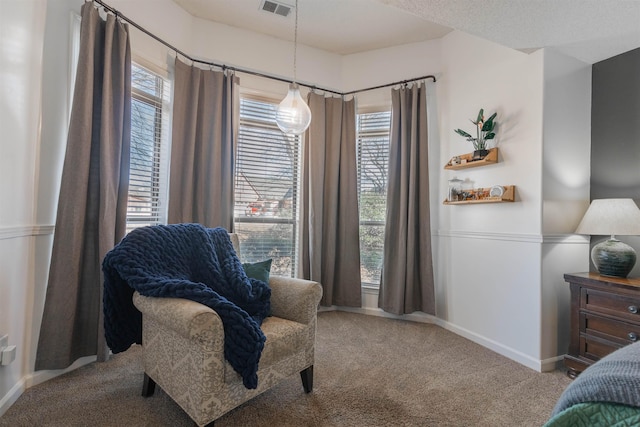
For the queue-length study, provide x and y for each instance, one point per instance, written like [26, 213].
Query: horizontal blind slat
[150, 94]
[373, 158]
[267, 169]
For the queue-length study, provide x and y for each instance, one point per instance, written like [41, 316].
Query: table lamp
[612, 216]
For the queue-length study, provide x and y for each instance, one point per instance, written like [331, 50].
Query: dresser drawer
[621, 306]
[604, 311]
[623, 332]
[595, 348]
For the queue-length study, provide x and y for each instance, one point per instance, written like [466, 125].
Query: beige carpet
[369, 371]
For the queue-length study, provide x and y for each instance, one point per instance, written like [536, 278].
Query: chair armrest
[188, 318]
[294, 299]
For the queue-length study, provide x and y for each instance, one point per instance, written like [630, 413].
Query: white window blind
[149, 148]
[266, 188]
[373, 160]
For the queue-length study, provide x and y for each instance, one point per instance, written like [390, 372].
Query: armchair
[183, 348]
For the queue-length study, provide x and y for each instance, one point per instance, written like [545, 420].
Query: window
[266, 189]
[149, 144]
[373, 159]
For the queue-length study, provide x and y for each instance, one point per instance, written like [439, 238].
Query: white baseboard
[544, 365]
[39, 377]
[414, 317]
[515, 355]
[11, 397]
[36, 378]
[552, 363]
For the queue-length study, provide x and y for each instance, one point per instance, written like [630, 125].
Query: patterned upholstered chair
[183, 348]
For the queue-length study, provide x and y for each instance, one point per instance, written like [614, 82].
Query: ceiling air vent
[276, 7]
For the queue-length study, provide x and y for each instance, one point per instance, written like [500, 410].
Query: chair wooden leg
[307, 379]
[148, 386]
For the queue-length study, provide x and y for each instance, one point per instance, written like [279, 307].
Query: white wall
[223, 44]
[479, 74]
[499, 268]
[163, 18]
[21, 39]
[566, 177]
[38, 33]
[491, 262]
[566, 142]
[383, 66]
[488, 273]
[561, 254]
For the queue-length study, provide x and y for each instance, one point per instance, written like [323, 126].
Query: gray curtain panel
[329, 228]
[201, 183]
[92, 206]
[407, 272]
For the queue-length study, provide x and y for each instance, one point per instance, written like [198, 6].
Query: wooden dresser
[605, 315]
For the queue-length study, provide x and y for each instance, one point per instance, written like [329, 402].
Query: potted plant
[484, 132]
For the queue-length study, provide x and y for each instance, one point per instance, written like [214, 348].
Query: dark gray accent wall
[615, 133]
[615, 127]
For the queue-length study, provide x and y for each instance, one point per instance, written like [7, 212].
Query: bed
[605, 394]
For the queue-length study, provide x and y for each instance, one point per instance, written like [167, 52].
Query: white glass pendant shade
[293, 115]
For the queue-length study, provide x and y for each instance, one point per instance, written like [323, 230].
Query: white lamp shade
[293, 115]
[611, 217]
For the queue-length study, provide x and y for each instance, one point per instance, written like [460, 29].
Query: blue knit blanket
[192, 262]
[612, 379]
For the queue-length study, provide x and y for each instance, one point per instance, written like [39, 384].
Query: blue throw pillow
[258, 270]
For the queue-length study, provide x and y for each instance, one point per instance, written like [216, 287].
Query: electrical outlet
[4, 341]
[7, 355]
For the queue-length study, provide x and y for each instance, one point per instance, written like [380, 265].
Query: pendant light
[293, 115]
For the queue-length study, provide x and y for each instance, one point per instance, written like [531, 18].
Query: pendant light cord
[295, 47]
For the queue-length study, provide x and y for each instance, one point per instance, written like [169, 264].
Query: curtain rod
[247, 71]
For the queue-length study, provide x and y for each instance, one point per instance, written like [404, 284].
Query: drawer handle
[632, 336]
[633, 309]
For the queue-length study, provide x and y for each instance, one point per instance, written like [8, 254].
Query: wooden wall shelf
[508, 196]
[489, 159]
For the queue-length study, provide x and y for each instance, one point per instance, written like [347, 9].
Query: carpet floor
[369, 371]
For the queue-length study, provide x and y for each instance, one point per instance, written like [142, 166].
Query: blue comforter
[192, 262]
[612, 379]
[607, 393]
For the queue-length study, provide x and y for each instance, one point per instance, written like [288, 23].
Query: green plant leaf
[490, 135]
[488, 126]
[463, 133]
[480, 114]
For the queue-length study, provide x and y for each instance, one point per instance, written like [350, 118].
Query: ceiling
[589, 30]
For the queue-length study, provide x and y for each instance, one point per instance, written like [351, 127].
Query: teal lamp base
[613, 258]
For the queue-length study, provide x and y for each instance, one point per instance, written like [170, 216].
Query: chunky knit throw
[612, 379]
[192, 262]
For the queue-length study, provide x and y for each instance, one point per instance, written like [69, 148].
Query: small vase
[613, 258]
[479, 154]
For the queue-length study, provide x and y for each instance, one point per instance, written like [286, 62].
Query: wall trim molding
[539, 365]
[510, 353]
[573, 239]
[36, 378]
[25, 231]
[510, 237]
[12, 395]
[514, 237]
